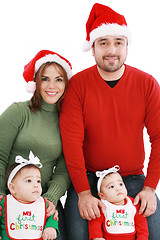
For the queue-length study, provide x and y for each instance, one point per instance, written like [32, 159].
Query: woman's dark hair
[35, 103]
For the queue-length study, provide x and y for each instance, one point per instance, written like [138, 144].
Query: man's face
[110, 52]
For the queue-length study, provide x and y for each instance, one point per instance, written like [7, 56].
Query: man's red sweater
[103, 126]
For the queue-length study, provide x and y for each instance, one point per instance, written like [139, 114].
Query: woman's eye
[59, 79]
[44, 79]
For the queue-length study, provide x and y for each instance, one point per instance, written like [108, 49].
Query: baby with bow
[24, 209]
[120, 219]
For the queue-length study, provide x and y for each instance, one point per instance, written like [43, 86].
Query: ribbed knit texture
[22, 131]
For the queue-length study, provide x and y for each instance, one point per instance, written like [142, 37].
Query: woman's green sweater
[22, 131]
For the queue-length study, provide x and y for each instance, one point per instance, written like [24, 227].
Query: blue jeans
[77, 227]
[61, 222]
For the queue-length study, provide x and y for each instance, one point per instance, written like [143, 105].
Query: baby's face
[113, 189]
[27, 185]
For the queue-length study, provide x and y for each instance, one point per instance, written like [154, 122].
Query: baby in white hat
[120, 219]
[24, 210]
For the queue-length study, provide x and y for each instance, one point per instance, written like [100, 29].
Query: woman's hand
[51, 210]
[49, 233]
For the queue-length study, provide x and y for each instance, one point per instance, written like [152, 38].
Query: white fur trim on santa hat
[86, 46]
[54, 58]
[113, 29]
[31, 87]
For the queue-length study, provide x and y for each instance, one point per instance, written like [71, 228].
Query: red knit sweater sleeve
[72, 132]
[152, 123]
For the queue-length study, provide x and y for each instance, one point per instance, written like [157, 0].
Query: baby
[120, 219]
[24, 210]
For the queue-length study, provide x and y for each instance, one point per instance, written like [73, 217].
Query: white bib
[25, 221]
[119, 219]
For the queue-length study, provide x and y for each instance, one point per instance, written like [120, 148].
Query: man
[102, 120]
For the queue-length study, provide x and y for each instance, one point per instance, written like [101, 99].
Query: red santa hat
[42, 57]
[104, 21]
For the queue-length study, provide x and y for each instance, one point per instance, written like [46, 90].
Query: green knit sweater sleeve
[10, 122]
[59, 183]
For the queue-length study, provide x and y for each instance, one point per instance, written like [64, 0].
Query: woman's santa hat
[104, 21]
[42, 57]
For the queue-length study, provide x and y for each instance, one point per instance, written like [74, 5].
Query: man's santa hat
[104, 21]
[42, 57]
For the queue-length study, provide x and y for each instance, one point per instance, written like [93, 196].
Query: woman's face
[52, 84]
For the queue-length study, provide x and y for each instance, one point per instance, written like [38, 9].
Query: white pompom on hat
[41, 57]
[104, 21]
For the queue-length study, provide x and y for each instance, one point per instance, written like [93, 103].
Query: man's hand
[89, 205]
[148, 201]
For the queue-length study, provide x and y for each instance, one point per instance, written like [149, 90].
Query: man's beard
[110, 67]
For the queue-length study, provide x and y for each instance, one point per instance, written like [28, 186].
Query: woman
[34, 126]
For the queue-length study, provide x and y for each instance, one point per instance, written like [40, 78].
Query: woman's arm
[10, 122]
[59, 183]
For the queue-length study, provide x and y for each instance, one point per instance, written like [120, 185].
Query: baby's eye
[28, 180]
[111, 187]
[39, 181]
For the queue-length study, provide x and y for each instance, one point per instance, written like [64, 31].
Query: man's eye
[119, 43]
[103, 43]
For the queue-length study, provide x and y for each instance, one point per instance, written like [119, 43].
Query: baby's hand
[49, 233]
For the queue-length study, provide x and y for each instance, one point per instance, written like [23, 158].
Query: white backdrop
[27, 26]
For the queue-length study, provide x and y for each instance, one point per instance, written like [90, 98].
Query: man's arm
[147, 196]
[72, 132]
